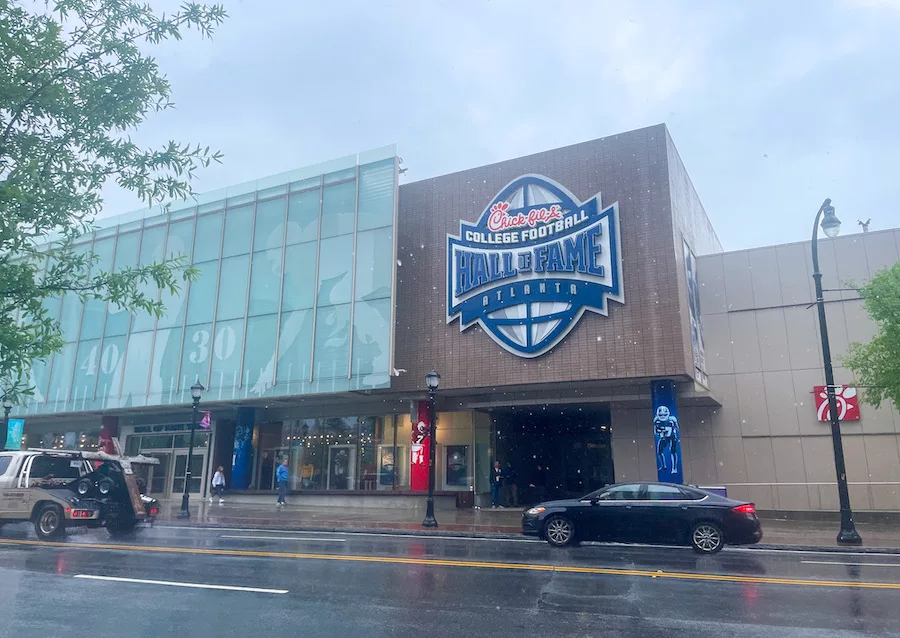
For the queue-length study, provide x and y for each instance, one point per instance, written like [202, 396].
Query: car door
[11, 495]
[662, 514]
[615, 512]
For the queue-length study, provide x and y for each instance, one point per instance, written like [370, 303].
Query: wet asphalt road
[329, 584]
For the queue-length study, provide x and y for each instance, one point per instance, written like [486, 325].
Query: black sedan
[656, 513]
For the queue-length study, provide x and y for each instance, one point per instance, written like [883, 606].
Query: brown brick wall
[643, 337]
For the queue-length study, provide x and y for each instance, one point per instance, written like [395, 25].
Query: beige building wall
[763, 355]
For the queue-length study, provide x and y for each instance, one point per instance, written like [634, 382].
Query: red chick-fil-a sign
[847, 403]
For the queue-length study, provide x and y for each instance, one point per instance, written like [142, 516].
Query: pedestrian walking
[511, 480]
[538, 484]
[281, 476]
[496, 485]
[218, 485]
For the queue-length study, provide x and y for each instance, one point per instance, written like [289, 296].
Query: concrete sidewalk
[778, 533]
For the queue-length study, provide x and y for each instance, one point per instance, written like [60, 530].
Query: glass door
[197, 465]
[158, 476]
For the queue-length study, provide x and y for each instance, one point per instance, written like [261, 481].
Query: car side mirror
[595, 500]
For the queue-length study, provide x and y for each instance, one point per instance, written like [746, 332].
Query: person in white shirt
[218, 484]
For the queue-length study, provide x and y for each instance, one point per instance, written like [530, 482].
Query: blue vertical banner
[14, 434]
[242, 462]
[666, 434]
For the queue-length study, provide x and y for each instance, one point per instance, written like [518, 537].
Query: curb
[506, 536]
[347, 530]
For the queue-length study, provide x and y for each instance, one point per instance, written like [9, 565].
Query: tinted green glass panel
[209, 237]
[265, 282]
[233, 288]
[338, 209]
[303, 217]
[238, 226]
[294, 347]
[269, 231]
[332, 342]
[376, 195]
[202, 300]
[259, 357]
[374, 264]
[299, 277]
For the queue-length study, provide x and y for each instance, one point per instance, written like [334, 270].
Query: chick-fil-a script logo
[500, 219]
[846, 399]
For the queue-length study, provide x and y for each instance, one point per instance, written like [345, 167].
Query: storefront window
[341, 453]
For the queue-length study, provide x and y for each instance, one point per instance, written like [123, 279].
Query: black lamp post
[196, 391]
[432, 379]
[7, 406]
[831, 226]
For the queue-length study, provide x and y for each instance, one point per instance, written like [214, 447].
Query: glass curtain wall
[294, 296]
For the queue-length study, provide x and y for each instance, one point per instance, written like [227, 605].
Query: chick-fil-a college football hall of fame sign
[535, 261]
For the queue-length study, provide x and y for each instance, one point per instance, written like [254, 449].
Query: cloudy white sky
[773, 105]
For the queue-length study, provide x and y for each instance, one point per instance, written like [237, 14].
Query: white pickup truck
[56, 489]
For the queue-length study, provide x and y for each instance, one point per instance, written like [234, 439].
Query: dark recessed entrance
[571, 444]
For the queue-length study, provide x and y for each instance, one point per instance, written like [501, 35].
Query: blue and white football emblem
[533, 264]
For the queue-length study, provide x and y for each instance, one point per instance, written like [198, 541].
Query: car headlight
[536, 510]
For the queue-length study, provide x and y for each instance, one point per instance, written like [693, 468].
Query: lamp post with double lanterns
[831, 226]
[196, 393]
[432, 380]
[7, 406]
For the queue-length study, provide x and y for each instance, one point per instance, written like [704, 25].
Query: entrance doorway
[571, 445]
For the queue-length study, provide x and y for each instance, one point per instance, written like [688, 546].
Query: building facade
[577, 304]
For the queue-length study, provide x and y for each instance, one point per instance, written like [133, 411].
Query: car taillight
[747, 508]
[154, 512]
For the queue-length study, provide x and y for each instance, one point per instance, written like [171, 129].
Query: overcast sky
[773, 105]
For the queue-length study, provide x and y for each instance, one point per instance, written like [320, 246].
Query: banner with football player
[666, 434]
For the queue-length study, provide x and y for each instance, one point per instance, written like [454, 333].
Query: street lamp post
[7, 406]
[831, 226]
[196, 391]
[432, 379]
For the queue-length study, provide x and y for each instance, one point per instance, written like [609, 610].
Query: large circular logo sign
[535, 261]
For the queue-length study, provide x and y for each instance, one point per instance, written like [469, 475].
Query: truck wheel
[49, 522]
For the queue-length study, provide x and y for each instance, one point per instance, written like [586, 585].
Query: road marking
[437, 562]
[406, 536]
[752, 550]
[825, 562]
[289, 538]
[169, 583]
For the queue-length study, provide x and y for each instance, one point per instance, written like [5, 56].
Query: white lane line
[808, 551]
[825, 562]
[288, 538]
[174, 584]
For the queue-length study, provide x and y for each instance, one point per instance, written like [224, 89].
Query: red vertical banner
[418, 455]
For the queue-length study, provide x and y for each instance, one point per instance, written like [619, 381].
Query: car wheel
[49, 522]
[707, 538]
[559, 531]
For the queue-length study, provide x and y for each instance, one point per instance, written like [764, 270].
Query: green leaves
[75, 81]
[877, 364]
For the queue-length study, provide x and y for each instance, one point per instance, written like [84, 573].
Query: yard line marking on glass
[437, 562]
[168, 583]
[825, 562]
[287, 538]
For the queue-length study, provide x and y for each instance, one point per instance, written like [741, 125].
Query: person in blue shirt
[281, 477]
